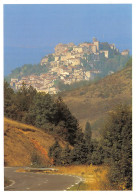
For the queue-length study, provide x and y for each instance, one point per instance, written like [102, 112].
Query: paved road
[38, 181]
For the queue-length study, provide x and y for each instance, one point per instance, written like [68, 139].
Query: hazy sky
[32, 31]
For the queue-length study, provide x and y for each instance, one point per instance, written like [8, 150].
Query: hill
[69, 64]
[93, 102]
[25, 144]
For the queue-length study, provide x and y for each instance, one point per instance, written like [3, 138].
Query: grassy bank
[25, 144]
[95, 177]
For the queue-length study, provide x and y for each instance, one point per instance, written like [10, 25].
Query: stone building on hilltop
[125, 52]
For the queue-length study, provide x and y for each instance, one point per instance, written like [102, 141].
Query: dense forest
[53, 116]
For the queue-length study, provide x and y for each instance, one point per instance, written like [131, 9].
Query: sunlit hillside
[22, 144]
[93, 102]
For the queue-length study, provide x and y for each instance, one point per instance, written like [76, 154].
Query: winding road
[38, 181]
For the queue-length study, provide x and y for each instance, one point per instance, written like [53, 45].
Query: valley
[93, 102]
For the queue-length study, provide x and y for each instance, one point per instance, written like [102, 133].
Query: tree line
[26, 70]
[114, 149]
[52, 115]
[85, 151]
[41, 110]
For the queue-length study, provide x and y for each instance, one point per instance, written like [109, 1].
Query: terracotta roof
[91, 44]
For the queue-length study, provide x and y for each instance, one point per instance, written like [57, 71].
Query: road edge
[12, 183]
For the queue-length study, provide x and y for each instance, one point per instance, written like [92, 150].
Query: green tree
[27, 69]
[36, 160]
[43, 111]
[97, 154]
[88, 133]
[129, 63]
[9, 106]
[50, 58]
[66, 156]
[78, 154]
[117, 143]
[55, 153]
[23, 100]
[71, 125]
[24, 97]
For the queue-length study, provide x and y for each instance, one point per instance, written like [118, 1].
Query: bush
[55, 153]
[36, 160]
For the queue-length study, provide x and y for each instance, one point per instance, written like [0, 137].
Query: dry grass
[19, 125]
[95, 176]
[92, 103]
[22, 141]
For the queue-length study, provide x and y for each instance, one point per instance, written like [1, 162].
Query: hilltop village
[68, 65]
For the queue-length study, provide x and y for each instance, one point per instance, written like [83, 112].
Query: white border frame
[133, 2]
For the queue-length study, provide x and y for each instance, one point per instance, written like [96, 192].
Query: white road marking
[13, 182]
[45, 181]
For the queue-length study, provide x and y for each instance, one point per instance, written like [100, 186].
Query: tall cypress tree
[88, 133]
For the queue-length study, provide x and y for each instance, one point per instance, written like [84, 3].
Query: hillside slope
[92, 103]
[23, 142]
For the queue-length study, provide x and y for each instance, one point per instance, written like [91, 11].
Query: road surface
[38, 181]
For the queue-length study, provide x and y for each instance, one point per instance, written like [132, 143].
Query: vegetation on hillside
[113, 150]
[26, 145]
[27, 69]
[75, 85]
[104, 65]
[42, 111]
[95, 177]
[94, 101]
[117, 144]
[116, 63]
[85, 151]
[129, 62]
